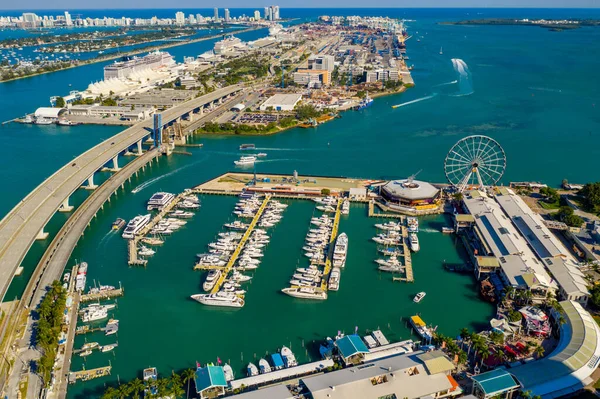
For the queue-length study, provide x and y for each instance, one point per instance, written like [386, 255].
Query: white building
[216, 14]
[281, 102]
[179, 18]
[257, 15]
[227, 17]
[68, 20]
[321, 62]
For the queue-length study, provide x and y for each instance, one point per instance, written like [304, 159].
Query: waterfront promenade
[26, 221]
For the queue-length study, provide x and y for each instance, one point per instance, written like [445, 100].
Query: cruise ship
[126, 66]
[226, 45]
[160, 200]
[305, 293]
[135, 225]
[340, 250]
[220, 299]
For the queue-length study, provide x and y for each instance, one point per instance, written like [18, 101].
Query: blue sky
[112, 4]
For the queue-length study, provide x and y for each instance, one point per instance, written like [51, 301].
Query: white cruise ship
[135, 225]
[227, 45]
[245, 161]
[340, 250]
[126, 66]
[225, 299]
[305, 293]
[160, 200]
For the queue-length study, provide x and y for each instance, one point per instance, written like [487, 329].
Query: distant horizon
[188, 7]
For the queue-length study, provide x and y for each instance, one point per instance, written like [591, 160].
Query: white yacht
[228, 371]
[305, 293]
[252, 370]
[334, 279]
[135, 225]
[413, 224]
[96, 313]
[346, 207]
[188, 205]
[224, 299]
[237, 225]
[391, 226]
[245, 161]
[340, 250]
[414, 242]
[289, 359]
[181, 214]
[145, 251]
[264, 366]
[160, 200]
[419, 297]
[211, 279]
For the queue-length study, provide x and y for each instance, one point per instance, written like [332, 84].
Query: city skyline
[340, 4]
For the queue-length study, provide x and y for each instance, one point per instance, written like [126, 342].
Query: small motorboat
[419, 297]
[252, 370]
[264, 366]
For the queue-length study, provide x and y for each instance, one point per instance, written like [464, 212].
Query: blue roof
[495, 381]
[210, 376]
[351, 345]
[277, 360]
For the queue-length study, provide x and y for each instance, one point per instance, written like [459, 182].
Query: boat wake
[279, 160]
[546, 89]
[464, 77]
[429, 230]
[414, 101]
[447, 83]
[104, 240]
[158, 178]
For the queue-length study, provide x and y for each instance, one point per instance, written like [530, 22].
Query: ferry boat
[364, 103]
[264, 366]
[289, 359]
[150, 374]
[219, 299]
[421, 328]
[228, 371]
[252, 370]
[340, 251]
[305, 293]
[247, 147]
[334, 279]
[211, 280]
[135, 225]
[160, 200]
[414, 242]
[118, 224]
[245, 161]
[419, 297]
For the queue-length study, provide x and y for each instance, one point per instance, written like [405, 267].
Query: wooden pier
[132, 248]
[102, 295]
[407, 258]
[334, 232]
[373, 214]
[240, 245]
[86, 375]
[86, 329]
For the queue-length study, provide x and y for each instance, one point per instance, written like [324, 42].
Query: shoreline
[133, 52]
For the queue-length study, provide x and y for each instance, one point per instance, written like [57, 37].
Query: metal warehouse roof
[495, 381]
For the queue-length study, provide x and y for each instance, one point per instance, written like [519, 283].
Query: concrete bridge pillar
[90, 185]
[115, 162]
[42, 235]
[191, 117]
[65, 207]
[139, 148]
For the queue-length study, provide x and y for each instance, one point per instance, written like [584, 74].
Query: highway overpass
[25, 222]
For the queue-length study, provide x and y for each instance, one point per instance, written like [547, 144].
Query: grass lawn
[548, 205]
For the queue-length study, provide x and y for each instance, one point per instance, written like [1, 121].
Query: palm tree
[162, 387]
[136, 386]
[110, 393]
[539, 351]
[500, 355]
[485, 353]
[509, 291]
[188, 375]
[123, 391]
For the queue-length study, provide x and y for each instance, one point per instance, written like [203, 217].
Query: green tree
[500, 356]
[591, 196]
[136, 386]
[110, 393]
[60, 102]
[325, 191]
[567, 215]
[539, 351]
[188, 376]
[123, 391]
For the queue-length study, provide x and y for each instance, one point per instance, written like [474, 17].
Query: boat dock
[227, 268]
[407, 258]
[102, 295]
[86, 375]
[373, 214]
[334, 232]
[132, 245]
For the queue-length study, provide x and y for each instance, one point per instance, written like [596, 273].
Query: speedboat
[419, 297]
[228, 371]
[145, 251]
[289, 359]
[252, 370]
[261, 154]
[264, 366]
[108, 348]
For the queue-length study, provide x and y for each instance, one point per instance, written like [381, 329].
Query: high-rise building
[199, 18]
[257, 15]
[216, 16]
[275, 12]
[180, 18]
[30, 20]
[68, 20]
[266, 13]
[226, 12]
[192, 19]
[321, 62]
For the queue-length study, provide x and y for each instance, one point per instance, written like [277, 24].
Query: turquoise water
[533, 90]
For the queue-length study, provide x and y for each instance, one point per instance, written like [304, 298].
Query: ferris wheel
[475, 161]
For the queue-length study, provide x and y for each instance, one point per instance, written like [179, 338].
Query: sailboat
[441, 51]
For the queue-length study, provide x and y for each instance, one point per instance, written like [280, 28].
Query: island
[551, 24]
